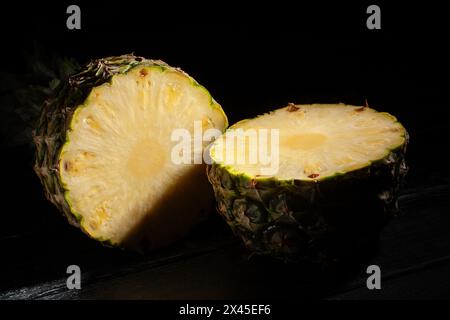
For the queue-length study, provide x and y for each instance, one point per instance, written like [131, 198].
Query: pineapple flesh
[104, 151]
[339, 168]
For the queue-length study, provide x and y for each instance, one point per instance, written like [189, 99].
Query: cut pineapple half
[314, 141]
[116, 165]
[114, 169]
[339, 172]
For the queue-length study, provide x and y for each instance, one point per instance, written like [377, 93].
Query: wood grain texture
[410, 250]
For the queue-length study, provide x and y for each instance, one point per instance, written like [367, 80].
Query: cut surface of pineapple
[116, 167]
[315, 141]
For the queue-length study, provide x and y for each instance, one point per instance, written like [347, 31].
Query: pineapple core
[304, 141]
[146, 157]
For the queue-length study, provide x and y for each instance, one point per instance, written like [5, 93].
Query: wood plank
[419, 236]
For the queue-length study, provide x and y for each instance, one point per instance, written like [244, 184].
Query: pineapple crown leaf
[23, 96]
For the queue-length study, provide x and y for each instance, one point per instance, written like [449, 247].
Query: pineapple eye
[92, 123]
[143, 72]
[67, 165]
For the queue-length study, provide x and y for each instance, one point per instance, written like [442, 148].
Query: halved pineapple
[334, 174]
[104, 151]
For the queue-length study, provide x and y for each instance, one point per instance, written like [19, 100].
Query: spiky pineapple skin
[318, 221]
[50, 134]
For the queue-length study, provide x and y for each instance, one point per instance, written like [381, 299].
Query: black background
[252, 58]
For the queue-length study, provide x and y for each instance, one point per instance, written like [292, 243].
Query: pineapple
[103, 151]
[336, 182]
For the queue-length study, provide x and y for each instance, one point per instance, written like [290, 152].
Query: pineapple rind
[50, 134]
[322, 216]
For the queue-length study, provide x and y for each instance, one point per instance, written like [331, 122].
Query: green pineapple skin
[315, 221]
[54, 122]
